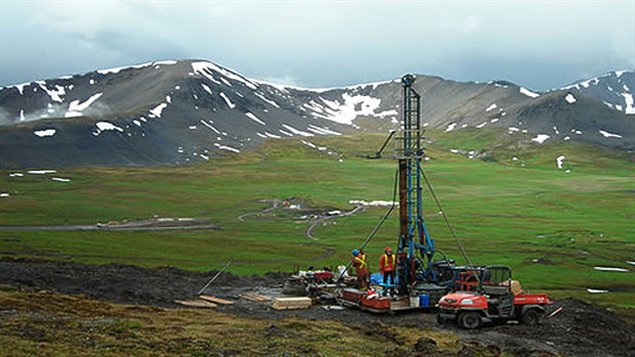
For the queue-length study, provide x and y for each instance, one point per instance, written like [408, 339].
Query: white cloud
[323, 44]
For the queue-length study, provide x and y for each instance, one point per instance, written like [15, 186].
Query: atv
[488, 294]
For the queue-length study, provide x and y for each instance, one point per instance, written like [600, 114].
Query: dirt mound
[584, 328]
[580, 329]
[119, 283]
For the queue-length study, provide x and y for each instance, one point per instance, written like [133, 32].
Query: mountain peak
[190, 110]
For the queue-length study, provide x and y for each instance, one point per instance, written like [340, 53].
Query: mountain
[154, 113]
[615, 89]
[175, 112]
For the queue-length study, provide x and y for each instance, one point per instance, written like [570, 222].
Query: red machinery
[489, 294]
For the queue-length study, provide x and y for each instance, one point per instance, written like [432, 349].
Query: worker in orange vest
[387, 265]
[361, 268]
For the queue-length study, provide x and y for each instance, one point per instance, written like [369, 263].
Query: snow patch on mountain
[387, 113]
[206, 88]
[225, 147]
[269, 101]
[541, 138]
[560, 161]
[105, 126]
[115, 70]
[528, 93]
[75, 108]
[322, 131]
[352, 107]
[203, 69]
[55, 94]
[210, 126]
[20, 87]
[570, 98]
[270, 135]
[227, 101]
[295, 131]
[628, 99]
[254, 118]
[606, 134]
[45, 133]
[158, 110]
[619, 270]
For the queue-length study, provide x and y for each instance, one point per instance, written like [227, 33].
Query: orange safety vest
[385, 264]
[361, 261]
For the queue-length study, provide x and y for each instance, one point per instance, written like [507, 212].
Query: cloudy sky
[540, 44]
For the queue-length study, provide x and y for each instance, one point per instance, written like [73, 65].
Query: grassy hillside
[552, 227]
[44, 324]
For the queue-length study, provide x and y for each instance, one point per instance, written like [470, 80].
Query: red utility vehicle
[485, 294]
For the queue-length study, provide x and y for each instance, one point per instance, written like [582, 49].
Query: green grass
[505, 211]
[45, 324]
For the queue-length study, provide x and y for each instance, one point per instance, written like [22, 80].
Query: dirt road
[154, 224]
[322, 219]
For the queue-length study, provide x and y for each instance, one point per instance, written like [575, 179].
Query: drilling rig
[417, 271]
[468, 294]
[422, 280]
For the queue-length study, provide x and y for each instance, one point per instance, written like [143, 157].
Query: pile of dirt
[119, 283]
[579, 329]
[582, 327]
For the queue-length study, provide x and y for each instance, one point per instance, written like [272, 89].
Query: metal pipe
[214, 278]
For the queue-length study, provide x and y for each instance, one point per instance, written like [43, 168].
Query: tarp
[378, 278]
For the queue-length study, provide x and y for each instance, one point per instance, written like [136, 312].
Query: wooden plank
[259, 297]
[249, 297]
[292, 303]
[196, 303]
[217, 300]
[255, 297]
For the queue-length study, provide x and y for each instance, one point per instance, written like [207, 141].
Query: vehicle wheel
[531, 317]
[470, 320]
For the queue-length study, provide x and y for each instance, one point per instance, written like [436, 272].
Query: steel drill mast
[416, 248]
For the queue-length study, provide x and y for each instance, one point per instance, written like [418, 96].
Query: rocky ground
[580, 329]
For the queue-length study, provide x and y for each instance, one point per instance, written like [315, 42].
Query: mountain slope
[451, 106]
[615, 89]
[175, 112]
[164, 112]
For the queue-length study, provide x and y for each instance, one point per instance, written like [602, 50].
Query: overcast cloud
[323, 44]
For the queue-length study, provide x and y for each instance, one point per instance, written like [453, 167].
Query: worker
[361, 268]
[387, 264]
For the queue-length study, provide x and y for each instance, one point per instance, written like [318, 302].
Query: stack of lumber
[292, 303]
